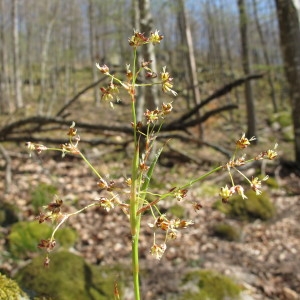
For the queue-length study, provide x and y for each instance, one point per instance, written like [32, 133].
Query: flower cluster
[52, 212]
[71, 147]
[112, 90]
[47, 245]
[139, 39]
[153, 115]
[243, 142]
[106, 203]
[170, 227]
[255, 184]
[167, 82]
[109, 92]
[38, 148]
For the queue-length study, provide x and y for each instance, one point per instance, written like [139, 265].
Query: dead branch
[217, 94]
[72, 100]
[181, 125]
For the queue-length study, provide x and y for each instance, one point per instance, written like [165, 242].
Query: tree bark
[187, 37]
[92, 35]
[251, 118]
[16, 56]
[143, 22]
[266, 56]
[288, 19]
[44, 59]
[5, 106]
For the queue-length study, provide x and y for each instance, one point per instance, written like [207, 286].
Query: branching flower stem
[135, 220]
[143, 163]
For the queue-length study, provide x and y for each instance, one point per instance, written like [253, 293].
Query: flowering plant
[133, 200]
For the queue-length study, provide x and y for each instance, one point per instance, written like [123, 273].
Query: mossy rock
[42, 195]
[67, 277]
[252, 208]
[8, 214]
[210, 285]
[226, 232]
[66, 237]
[10, 290]
[283, 118]
[271, 182]
[25, 236]
[288, 134]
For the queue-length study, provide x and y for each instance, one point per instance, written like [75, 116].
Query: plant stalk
[135, 220]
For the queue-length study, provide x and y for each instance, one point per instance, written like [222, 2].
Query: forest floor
[265, 260]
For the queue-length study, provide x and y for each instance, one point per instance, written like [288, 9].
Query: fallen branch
[221, 92]
[72, 100]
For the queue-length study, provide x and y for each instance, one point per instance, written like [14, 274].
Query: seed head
[158, 250]
[155, 37]
[167, 82]
[138, 39]
[225, 193]
[103, 69]
[256, 184]
[243, 142]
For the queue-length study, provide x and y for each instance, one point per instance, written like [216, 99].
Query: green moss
[66, 237]
[211, 285]
[68, 277]
[288, 134]
[226, 232]
[271, 182]
[42, 195]
[252, 208]
[283, 118]
[25, 236]
[10, 290]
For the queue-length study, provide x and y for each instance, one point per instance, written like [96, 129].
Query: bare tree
[191, 60]
[266, 56]
[44, 58]
[288, 18]
[251, 118]
[5, 105]
[143, 22]
[92, 34]
[16, 58]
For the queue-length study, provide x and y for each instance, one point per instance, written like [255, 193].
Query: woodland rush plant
[134, 201]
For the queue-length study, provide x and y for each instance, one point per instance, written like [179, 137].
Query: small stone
[290, 294]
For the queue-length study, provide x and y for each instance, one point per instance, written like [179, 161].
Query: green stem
[135, 220]
[201, 177]
[90, 165]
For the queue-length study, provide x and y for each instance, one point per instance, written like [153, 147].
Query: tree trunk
[288, 18]
[16, 57]
[143, 22]
[92, 34]
[266, 56]
[251, 118]
[187, 37]
[44, 59]
[5, 106]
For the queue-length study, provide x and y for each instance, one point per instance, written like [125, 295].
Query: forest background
[48, 78]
